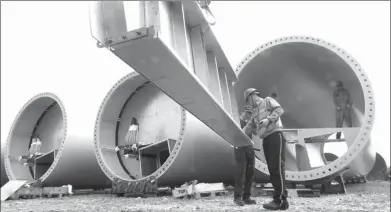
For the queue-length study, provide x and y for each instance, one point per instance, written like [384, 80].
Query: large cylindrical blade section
[303, 73]
[180, 147]
[41, 148]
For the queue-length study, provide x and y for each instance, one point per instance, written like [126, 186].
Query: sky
[42, 41]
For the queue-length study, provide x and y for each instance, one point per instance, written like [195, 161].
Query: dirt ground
[373, 196]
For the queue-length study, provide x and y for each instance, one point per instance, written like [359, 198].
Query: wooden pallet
[211, 194]
[190, 190]
[144, 188]
[36, 192]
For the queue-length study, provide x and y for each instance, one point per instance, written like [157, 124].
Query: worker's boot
[249, 201]
[276, 205]
[239, 201]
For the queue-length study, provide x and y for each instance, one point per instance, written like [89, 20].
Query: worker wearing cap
[245, 161]
[265, 122]
[343, 105]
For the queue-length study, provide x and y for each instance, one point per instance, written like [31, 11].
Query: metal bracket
[99, 45]
[131, 35]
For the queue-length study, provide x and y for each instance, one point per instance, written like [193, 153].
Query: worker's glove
[116, 149]
[338, 108]
[264, 122]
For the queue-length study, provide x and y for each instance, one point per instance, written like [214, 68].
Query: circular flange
[159, 172]
[367, 122]
[35, 99]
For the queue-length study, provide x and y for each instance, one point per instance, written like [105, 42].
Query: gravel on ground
[371, 196]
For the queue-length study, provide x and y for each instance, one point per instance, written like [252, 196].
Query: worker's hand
[264, 122]
[338, 108]
[116, 149]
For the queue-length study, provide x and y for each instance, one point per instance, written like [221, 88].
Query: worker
[245, 161]
[131, 142]
[264, 122]
[343, 104]
[34, 151]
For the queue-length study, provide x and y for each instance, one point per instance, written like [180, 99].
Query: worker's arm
[248, 129]
[242, 123]
[276, 109]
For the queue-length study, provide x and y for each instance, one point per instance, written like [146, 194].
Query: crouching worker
[245, 160]
[265, 123]
[131, 143]
[34, 152]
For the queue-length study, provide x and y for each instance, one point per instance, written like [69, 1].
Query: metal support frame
[199, 56]
[301, 137]
[224, 90]
[234, 104]
[159, 56]
[214, 77]
[156, 57]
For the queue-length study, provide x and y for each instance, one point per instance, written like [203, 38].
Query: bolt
[138, 32]
[124, 36]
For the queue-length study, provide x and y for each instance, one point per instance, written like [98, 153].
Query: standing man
[245, 161]
[343, 104]
[265, 122]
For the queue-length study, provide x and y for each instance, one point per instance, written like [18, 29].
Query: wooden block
[308, 193]
[146, 186]
[204, 187]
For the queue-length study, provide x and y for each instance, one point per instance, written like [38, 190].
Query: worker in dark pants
[265, 123]
[245, 160]
[343, 104]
